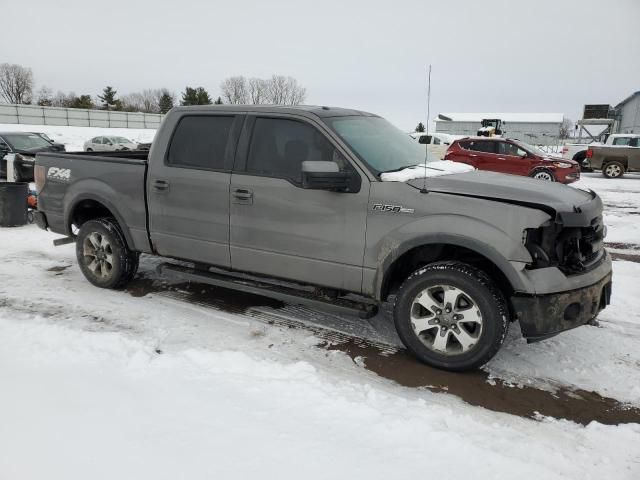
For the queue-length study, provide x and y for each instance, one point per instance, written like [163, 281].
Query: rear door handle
[473, 155]
[161, 185]
[501, 158]
[242, 196]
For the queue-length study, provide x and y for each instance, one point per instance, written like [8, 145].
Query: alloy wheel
[98, 254]
[446, 319]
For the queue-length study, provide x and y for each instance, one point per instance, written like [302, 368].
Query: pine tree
[218, 101]
[195, 96]
[189, 97]
[165, 102]
[83, 101]
[203, 97]
[420, 127]
[108, 99]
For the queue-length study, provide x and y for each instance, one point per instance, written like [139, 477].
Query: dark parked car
[512, 156]
[25, 145]
[59, 147]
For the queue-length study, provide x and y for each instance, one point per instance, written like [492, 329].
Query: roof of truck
[318, 110]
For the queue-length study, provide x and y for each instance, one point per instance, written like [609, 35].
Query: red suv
[512, 156]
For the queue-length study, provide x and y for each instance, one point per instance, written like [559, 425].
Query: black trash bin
[13, 203]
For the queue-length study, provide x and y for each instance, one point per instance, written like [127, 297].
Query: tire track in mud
[388, 360]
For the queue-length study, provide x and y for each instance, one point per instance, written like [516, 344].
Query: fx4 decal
[63, 174]
[380, 207]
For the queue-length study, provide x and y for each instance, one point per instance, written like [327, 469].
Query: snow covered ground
[105, 384]
[73, 138]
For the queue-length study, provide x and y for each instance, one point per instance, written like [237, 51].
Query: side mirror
[324, 176]
[524, 155]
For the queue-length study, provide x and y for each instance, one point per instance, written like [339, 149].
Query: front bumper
[543, 316]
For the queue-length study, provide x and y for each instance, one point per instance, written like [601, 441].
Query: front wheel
[613, 170]
[545, 175]
[103, 255]
[451, 315]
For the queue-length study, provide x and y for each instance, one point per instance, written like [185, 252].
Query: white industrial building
[534, 128]
[628, 114]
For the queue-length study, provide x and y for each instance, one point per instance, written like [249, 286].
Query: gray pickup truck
[335, 208]
[615, 160]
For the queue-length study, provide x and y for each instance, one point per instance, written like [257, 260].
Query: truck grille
[580, 249]
[571, 249]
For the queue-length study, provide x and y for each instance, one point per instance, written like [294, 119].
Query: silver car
[109, 144]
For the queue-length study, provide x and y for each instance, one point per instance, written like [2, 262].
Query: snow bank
[102, 405]
[431, 169]
[73, 138]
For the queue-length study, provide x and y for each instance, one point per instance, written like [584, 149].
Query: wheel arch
[411, 255]
[90, 206]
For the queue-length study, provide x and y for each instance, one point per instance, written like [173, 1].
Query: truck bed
[75, 180]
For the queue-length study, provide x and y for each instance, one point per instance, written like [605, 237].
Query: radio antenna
[426, 157]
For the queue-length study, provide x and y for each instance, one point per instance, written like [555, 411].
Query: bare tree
[16, 83]
[566, 128]
[45, 97]
[234, 90]
[258, 90]
[286, 91]
[147, 101]
[278, 90]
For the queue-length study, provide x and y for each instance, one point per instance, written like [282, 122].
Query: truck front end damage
[570, 272]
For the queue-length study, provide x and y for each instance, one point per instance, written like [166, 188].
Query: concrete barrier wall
[76, 117]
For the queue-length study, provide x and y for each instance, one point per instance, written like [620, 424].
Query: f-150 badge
[381, 207]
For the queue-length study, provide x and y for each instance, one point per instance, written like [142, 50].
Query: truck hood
[553, 198]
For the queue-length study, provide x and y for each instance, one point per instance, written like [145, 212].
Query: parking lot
[53, 321]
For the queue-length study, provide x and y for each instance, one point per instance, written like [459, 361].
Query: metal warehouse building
[628, 114]
[535, 128]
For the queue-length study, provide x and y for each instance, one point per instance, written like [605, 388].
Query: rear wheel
[451, 316]
[613, 170]
[103, 255]
[545, 175]
[89, 149]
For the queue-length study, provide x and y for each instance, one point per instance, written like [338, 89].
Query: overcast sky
[504, 56]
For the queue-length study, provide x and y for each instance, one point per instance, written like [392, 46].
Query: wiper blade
[402, 168]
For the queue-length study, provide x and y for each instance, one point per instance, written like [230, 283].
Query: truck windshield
[383, 147]
[26, 142]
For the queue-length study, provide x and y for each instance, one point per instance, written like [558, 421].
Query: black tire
[112, 265]
[89, 149]
[613, 169]
[544, 171]
[484, 295]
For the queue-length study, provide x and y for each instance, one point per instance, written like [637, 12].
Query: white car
[109, 144]
[437, 143]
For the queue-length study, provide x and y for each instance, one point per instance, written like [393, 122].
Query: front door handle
[501, 158]
[161, 185]
[473, 155]
[242, 196]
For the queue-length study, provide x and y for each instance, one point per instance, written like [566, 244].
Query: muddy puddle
[395, 364]
[478, 389]
[631, 251]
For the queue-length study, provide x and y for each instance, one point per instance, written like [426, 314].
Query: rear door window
[621, 141]
[424, 139]
[485, 146]
[202, 142]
